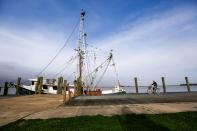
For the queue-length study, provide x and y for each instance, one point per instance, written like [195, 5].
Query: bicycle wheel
[149, 91]
[157, 90]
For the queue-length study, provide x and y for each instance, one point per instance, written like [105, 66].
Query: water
[143, 89]
[11, 91]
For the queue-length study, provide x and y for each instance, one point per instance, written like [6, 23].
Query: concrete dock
[118, 99]
[51, 106]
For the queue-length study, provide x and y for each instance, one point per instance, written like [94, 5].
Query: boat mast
[81, 52]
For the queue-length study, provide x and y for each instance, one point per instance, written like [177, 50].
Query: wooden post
[5, 88]
[65, 89]
[79, 87]
[187, 84]
[75, 88]
[69, 92]
[136, 84]
[61, 84]
[18, 85]
[37, 84]
[163, 84]
[69, 95]
[58, 85]
[40, 85]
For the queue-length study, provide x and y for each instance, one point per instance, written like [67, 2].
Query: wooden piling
[18, 83]
[163, 84]
[5, 88]
[40, 85]
[187, 84]
[75, 88]
[136, 84]
[69, 95]
[79, 87]
[37, 84]
[59, 85]
[64, 91]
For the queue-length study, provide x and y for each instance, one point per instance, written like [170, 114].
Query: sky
[149, 38]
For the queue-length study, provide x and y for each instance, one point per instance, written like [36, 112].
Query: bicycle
[152, 90]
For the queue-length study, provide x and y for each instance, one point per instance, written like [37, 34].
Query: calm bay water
[12, 91]
[143, 89]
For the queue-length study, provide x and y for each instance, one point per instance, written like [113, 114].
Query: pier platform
[118, 99]
[45, 106]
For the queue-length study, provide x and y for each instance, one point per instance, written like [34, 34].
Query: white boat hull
[116, 90]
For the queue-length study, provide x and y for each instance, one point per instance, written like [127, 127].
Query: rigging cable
[104, 51]
[109, 61]
[69, 76]
[94, 75]
[117, 78]
[70, 61]
[88, 66]
[59, 50]
[103, 73]
[97, 67]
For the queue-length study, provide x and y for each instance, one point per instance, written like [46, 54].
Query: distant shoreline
[192, 84]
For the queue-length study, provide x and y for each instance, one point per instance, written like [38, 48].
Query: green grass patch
[185, 121]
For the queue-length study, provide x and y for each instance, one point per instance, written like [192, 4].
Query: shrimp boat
[49, 86]
[88, 74]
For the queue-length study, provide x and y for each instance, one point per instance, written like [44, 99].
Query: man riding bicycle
[154, 85]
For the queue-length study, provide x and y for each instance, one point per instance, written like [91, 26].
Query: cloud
[32, 50]
[160, 44]
[154, 45]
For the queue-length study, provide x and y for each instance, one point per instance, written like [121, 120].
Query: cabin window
[54, 87]
[45, 87]
[32, 83]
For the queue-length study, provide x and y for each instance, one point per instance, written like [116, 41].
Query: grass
[185, 121]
